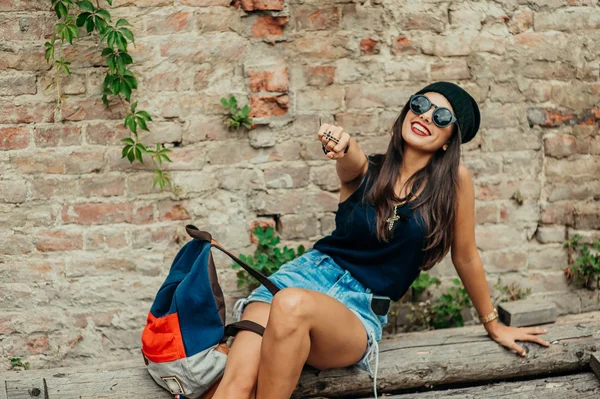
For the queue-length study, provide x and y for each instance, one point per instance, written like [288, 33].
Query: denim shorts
[317, 271]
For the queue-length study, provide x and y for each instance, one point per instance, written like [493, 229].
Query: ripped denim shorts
[317, 271]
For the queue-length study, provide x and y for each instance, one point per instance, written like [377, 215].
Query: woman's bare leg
[241, 369]
[306, 326]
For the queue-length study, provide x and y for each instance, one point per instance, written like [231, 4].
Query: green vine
[584, 270]
[445, 313]
[267, 257]
[236, 115]
[119, 81]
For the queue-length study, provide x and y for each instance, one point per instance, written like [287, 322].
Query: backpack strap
[246, 325]
[205, 236]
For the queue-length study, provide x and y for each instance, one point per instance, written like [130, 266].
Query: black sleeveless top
[386, 268]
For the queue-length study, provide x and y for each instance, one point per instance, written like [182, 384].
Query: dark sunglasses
[442, 116]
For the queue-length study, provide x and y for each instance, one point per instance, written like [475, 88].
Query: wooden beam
[580, 386]
[526, 313]
[459, 355]
[407, 361]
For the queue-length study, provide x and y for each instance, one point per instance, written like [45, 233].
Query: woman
[399, 213]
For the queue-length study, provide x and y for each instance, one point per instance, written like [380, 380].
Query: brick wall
[86, 241]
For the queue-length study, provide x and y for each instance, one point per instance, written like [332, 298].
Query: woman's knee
[291, 307]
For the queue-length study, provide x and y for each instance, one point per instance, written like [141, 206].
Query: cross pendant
[392, 219]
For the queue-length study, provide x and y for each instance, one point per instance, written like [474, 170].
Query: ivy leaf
[104, 14]
[142, 123]
[126, 90]
[127, 58]
[107, 51]
[82, 18]
[110, 2]
[121, 42]
[145, 115]
[133, 106]
[60, 10]
[128, 140]
[122, 22]
[85, 5]
[128, 34]
[100, 23]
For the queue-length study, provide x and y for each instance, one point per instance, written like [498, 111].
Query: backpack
[184, 342]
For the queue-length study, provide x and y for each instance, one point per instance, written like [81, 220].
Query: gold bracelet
[489, 317]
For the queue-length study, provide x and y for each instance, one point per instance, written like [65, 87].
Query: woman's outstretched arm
[468, 264]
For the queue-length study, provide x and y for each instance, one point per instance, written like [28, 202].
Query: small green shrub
[511, 292]
[237, 116]
[584, 270]
[267, 257]
[421, 283]
[445, 313]
[17, 364]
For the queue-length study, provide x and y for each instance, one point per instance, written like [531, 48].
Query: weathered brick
[14, 138]
[361, 96]
[151, 3]
[369, 46]
[550, 234]
[323, 48]
[102, 186]
[164, 23]
[240, 179]
[15, 85]
[212, 47]
[58, 240]
[150, 237]
[293, 201]
[57, 135]
[105, 239]
[106, 213]
[402, 45]
[502, 261]
[424, 21]
[22, 57]
[208, 129]
[171, 210]
[574, 191]
[42, 162]
[205, 3]
[454, 69]
[106, 133]
[587, 216]
[298, 226]
[486, 213]
[320, 75]
[415, 68]
[269, 105]
[325, 177]
[356, 122]
[569, 19]
[46, 188]
[492, 237]
[286, 176]
[561, 212]
[548, 257]
[13, 191]
[583, 166]
[16, 244]
[255, 5]
[510, 139]
[329, 98]
[327, 224]
[269, 27]
[309, 19]
[274, 78]
[79, 162]
[74, 109]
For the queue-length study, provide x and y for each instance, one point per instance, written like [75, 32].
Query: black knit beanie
[464, 106]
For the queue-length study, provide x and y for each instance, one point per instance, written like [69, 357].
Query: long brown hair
[436, 204]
